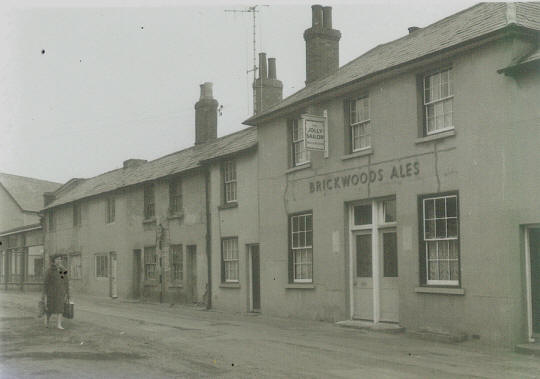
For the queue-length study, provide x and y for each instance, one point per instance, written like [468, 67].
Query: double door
[374, 262]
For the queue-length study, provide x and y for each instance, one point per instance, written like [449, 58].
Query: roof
[20, 229]
[171, 164]
[27, 192]
[467, 25]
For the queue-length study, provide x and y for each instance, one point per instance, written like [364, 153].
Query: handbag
[69, 309]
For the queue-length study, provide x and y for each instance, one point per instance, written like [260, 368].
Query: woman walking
[56, 289]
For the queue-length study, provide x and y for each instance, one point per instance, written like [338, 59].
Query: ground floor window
[230, 260]
[150, 263]
[35, 263]
[177, 264]
[439, 255]
[301, 248]
[75, 271]
[16, 265]
[102, 266]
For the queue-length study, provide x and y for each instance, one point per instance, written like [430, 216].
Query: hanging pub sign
[315, 129]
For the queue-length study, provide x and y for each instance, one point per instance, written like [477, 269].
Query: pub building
[402, 188]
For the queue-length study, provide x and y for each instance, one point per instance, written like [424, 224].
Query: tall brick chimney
[322, 45]
[267, 90]
[206, 116]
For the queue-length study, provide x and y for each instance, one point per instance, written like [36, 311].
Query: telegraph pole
[253, 10]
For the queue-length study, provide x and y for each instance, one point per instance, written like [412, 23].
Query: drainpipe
[208, 237]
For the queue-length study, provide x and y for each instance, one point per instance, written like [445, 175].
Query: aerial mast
[253, 10]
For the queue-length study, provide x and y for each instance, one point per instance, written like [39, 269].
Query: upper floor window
[440, 246]
[149, 200]
[438, 101]
[76, 214]
[229, 181]
[111, 209]
[175, 195]
[301, 252]
[299, 153]
[360, 124]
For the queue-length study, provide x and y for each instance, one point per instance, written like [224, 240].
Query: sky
[88, 84]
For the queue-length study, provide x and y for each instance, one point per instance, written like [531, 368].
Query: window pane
[441, 228]
[363, 256]
[453, 249]
[429, 211]
[389, 208]
[432, 250]
[454, 270]
[429, 231]
[362, 214]
[309, 238]
[443, 249]
[444, 270]
[440, 208]
[451, 206]
[433, 270]
[309, 225]
[452, 226]
[295, 223]
[390, 254]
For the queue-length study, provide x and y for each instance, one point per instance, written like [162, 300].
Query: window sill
[176, 286]
[300, 286]
[299, 167]
[149, 220]
[440, 290]
[229, 285]
[228, 205]
[176, 215]
[357, 154]
[436, 137]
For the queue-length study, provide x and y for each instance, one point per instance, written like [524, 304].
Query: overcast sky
[86, 87]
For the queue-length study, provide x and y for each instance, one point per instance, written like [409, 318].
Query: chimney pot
[272, 68]
[327, 17]
[316, 16]
[205, 115]
[133, 163]
[262, 66]
[206, 91]
[413, 29]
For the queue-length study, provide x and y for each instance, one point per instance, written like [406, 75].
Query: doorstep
[529, 348]
[383, 327]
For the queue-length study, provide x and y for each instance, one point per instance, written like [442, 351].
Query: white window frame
[230, 260]
[303, 248]
[229, 181]
[101, 266]
[449, 99]
[360, 124]
[440, 240]
[298, 140]
[147, 262]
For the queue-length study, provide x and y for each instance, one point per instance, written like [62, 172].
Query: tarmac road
[113, 339]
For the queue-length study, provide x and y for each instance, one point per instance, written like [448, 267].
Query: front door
[255, 290]
[374, 258]
[113, 281]
[534, 249]
[191, 263]
[137, 264]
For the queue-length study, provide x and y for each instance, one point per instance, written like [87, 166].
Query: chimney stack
[322, 45]
[413, 29]
[267, 89]
[206, 116]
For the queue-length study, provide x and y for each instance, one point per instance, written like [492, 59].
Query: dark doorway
[255, 277]
[191, 263]
[137, 274]
[534, 248]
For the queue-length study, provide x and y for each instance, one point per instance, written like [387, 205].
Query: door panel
[534, 248]
[255, 277]
[363, 282]
[389, 281]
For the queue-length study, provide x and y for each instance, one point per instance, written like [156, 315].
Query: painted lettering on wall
[395, 172]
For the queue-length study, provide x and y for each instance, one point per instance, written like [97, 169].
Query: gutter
[24, 229]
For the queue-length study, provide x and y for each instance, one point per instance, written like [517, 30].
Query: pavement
[118, 339]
